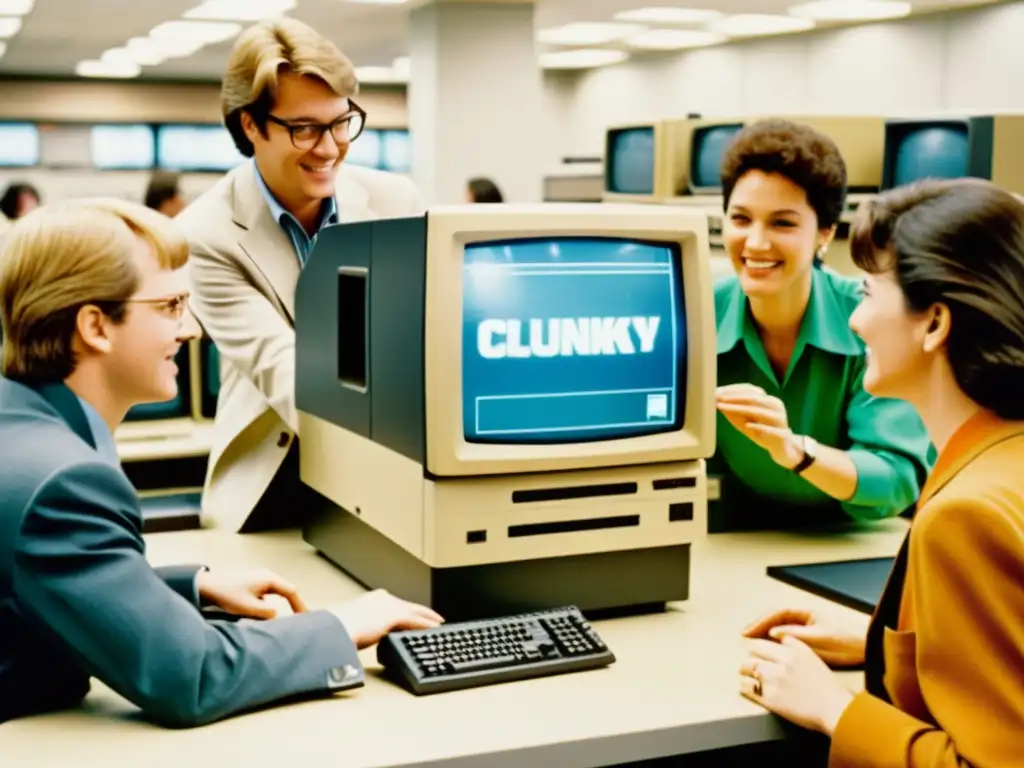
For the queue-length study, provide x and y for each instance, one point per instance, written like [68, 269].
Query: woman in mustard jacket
[943, 320]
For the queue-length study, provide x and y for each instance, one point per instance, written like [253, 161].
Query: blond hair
[62, 257]
[260, 54]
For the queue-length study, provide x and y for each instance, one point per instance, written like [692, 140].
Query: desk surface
[673, 689]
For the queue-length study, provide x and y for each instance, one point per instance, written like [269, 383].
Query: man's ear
[93, 329]
[252, 131]
[939, 324]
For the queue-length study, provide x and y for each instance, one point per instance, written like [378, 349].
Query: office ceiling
[57, 34]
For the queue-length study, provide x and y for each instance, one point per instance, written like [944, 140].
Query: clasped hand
[788, 672]
[243, 593]
[763, 419]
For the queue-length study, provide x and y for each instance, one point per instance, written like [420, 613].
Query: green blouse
[825, 399]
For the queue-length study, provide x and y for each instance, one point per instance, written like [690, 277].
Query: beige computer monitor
[448, 453]
[670, 165]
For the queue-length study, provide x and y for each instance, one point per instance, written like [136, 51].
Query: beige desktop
[453, 471]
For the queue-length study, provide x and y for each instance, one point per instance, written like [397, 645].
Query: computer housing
[643, 162]
[429, 496]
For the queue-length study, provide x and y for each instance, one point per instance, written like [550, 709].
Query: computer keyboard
[467, 654]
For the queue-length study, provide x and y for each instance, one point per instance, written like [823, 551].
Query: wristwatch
[810, 447]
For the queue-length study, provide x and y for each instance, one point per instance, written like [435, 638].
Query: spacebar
[479, 664]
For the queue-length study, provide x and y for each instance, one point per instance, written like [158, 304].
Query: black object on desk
[857, 584]
[472, 653]
[171, 512]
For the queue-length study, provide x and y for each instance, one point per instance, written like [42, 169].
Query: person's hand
[763, 419]
[242, 593]
[790, 680]
[371, 616]
[835, 646]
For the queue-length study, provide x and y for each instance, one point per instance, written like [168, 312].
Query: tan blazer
[946, 644]
[243, 272]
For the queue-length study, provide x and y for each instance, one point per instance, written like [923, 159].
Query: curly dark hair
[959, 243]
[807, 158]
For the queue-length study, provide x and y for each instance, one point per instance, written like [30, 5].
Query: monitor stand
[601, 584]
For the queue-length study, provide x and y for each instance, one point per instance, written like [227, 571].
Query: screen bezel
[450, 229]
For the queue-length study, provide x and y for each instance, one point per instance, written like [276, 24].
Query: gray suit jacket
[78, 598]
[244, 271]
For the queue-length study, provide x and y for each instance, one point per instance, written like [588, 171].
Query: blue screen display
[197, 148]
[396, 151]
[19, 144]
[709, 145]
[171, 409]
[571, 339]
[631, 161]
[122, 147]
[932, 152]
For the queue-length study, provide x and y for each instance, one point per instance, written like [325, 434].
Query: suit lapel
[263, 239]
[267, 244]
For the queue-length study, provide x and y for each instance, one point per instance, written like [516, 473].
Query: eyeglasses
[344, 130]
[174, 306]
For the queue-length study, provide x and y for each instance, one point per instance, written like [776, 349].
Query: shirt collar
[328, 209]
[826, 325]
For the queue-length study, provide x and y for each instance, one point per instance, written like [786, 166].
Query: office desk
[673, 689]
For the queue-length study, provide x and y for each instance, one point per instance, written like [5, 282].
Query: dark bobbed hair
[959, 243]
[809, 159]
[485, 191]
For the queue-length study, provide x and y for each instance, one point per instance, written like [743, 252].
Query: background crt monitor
[709, 145]
[19, 144]
[631, 161]
[197, 148]
[929, 150]
[122, 147]
[572, 339]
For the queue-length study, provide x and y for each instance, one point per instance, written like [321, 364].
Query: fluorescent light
[138, 56]
[674, 39]
[240, 10]
[377, 75]
[9, 26]
[582, 58]
[148, 48]
[753, 24]
[97, 68]
[587, 33]
[16, 7]
[851, 10]
[202, 32]
[669, 15]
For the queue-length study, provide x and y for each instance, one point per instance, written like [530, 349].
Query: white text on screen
[566, 337]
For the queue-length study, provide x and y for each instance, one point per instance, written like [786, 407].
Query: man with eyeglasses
[93, 300]
[287, 99]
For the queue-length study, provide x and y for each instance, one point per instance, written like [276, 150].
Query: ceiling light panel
[97, 68]
[16, 7]
[9, 26]
[851, 10]
[588, 33]
[582, 58]
[240, 10]
[754, 24]
[669, 15]
[202, 32]
[674, 39]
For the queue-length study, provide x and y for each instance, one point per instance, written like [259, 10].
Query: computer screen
[365, 150]
[196, 148]
[572, 339]
[630, 161]
[19, 144]
[396, 151]
[209, 378]
[708, 147]
[123, 147]
[929, 150]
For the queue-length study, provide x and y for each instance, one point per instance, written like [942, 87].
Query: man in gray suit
[93, 299]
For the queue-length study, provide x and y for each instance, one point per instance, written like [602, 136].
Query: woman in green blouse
[799, 440]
